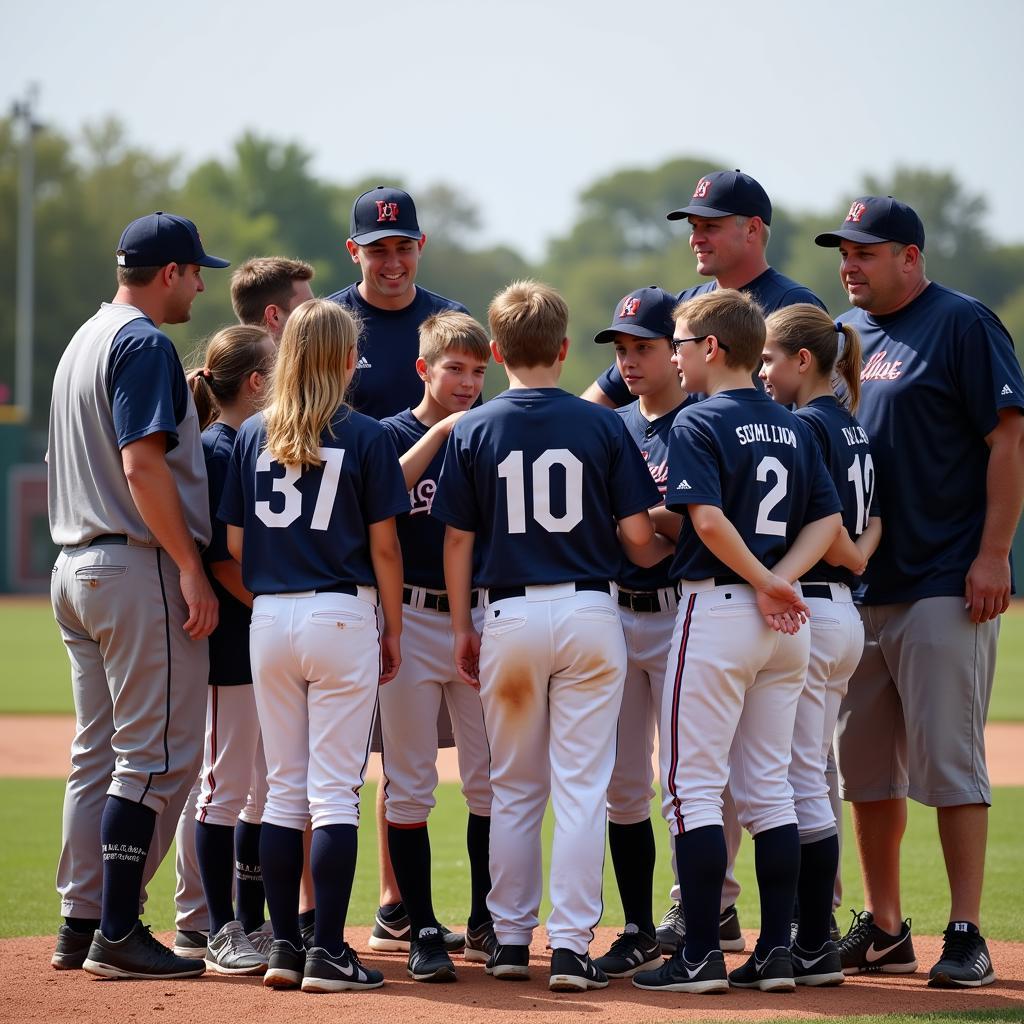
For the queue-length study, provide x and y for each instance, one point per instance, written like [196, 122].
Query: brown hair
[138, 277]
[731, 316]
[528, 321]
[805, 326]
[450, 331]
[229, 357]
[309, 382]
[262, 282]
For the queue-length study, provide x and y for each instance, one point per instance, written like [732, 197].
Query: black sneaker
[965, 960]
[137, 955]
[822, 967]
[191, 944]
[510, 963]
[730, 938]
[833, 929]
[481, 942]
[428, 959]
[71, 950]
[393, 933]
[773, 974]
[342, 973]
[285, 965]
[632, 951]
[574, 972]
[679, 975]
[307, 932]
[671, 932]
[866, 948]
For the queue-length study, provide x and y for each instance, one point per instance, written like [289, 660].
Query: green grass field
[30, 814]
[35, 675]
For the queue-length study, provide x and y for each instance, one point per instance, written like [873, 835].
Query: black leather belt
[504, 593]
[640, 600]
[816, 590]
[437, 602]
[108, 538]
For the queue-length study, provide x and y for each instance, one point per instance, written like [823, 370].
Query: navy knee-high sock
[281, 859]
[819, 863]
[700, 860]
[777, 864]
[333, 862]
[250, 896]
[478, 845]
[410, 857]
[126, 830]
[633, 856]
[214, 852]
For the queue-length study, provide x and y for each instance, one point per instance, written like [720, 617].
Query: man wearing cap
[941, 399]
[730, 218]
[128, 507]
[385, 241]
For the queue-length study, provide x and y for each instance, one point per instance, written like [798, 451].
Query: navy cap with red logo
[161, 238]
[381, 213]
[876, 219]
[644, 313]
[722, 193]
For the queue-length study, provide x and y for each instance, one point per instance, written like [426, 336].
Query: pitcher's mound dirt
[30, 990]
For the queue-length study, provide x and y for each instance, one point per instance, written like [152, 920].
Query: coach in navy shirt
[730, 218]
[941, 401]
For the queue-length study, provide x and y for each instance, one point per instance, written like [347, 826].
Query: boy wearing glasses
[748, 475]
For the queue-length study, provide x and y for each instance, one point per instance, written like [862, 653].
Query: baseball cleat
[965, 960]
[481, 942]
[818, 968]
[772, 974]
[574, 972]
[632, 951]
[230, 951]
[342, 973]
[428, 959]
[138, 955]
[71, 950]
[677, 974]
[866, 948]
[191, 944]
[392, 933]
[286, 965]
[509, 963]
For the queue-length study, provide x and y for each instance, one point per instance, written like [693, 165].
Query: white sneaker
[262, 939]
[229, 951]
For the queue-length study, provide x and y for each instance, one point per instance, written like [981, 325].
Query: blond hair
[809, 327]
[308, 387]
[230, 356]
[733, 317]
[452, 331]
[528, 321]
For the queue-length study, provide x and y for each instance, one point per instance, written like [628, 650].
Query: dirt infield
[35, 992]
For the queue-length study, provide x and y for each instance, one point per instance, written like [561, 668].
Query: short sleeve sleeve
[385, 495]
[693, 470]
[987, 374]
[146, 387]
[630, 484]
[232, 500]
[612, 384]
[455, 499]
[216, 471]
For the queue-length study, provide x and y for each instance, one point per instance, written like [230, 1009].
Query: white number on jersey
[773, 527]
[863, 480]
[510, 469]
[332, 460]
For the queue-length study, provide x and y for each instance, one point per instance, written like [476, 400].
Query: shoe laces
[146, 936]
[674, 919]
[960, 947]
[860, 929]
[435, 941]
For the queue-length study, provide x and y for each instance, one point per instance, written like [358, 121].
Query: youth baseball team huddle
[320, 528]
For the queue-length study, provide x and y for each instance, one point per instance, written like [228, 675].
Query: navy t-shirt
[846, 450]
[771, 290]
[758, 463]
[541, 477]
[307, 529]
[385, 380]
[229, 642]
[936, 373]
[651, 438]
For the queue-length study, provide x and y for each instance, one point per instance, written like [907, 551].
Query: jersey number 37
[286, 485]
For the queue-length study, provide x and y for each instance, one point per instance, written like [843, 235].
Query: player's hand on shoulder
[467, 657]
[390, 656]
[987, 590]
[448, 423]
[201, 602]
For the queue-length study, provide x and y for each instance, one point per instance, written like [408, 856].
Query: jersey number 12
[511, 470]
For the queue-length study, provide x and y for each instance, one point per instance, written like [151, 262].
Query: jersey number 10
[510, 469]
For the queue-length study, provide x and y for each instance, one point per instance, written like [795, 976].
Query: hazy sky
[522, 104]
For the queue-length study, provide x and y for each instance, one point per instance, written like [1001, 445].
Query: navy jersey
[771, 290]
[758, 463]
[385, 381]
[422, 535]
[540, 477]
[936, 373]
[651, 438]
[846, 450]
[229, 642]
[307, 529]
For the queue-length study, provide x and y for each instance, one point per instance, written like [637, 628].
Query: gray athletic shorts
[912, 722]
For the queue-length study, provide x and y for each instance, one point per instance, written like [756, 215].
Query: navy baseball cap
[876, 219]
[644, 313]
[381, 213]
[722, 193]
[161, 238]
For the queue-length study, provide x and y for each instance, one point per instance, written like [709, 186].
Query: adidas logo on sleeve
[684, 486]
[1007, 390]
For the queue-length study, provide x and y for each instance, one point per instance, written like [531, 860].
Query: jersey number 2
[510, 469]
[773, 527]
[292, 509]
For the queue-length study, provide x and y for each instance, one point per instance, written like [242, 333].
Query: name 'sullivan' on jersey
[773, 433]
